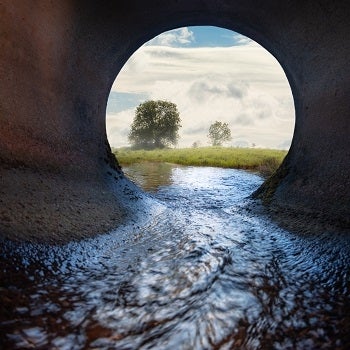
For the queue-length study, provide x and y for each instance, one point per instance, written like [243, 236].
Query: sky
[211, 74]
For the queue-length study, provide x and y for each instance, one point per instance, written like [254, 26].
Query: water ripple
[205, 274]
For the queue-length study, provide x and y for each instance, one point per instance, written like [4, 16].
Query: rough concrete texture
[59, 59]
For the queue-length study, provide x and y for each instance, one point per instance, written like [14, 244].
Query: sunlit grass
[264, 161]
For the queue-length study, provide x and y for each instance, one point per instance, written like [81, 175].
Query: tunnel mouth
[58, 75]
[214, 86]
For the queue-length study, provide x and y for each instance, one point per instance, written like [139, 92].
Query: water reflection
[150, 175]
[206, 274]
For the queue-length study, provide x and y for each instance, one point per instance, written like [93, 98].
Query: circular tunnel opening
[205, 272]
[211, 74]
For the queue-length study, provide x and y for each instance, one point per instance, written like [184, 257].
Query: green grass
[264, 161]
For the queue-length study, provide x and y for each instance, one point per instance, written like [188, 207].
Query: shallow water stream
[204, 274]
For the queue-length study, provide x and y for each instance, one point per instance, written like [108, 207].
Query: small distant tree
[196, 144]
[219, 133]
[155, 125]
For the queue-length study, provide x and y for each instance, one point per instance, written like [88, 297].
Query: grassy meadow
[264, 161]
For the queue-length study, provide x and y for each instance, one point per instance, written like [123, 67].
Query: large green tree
[156, 125]
[219, 133]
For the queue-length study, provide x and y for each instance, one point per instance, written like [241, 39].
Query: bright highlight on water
[205, 274]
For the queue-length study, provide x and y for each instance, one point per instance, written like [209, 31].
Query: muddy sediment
[208, 272]
[44, 207]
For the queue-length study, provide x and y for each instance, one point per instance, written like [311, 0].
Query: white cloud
[241, 85]
[240, 39]
[176, 37]
[118, 126]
